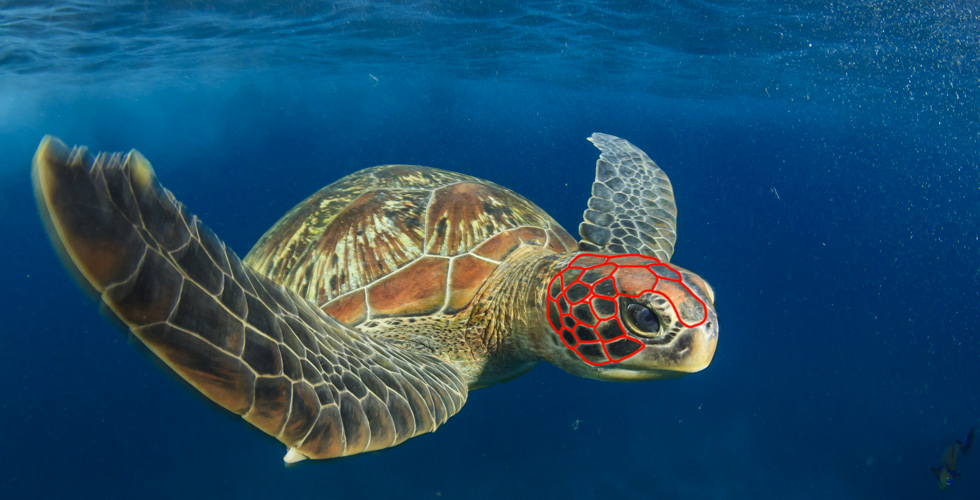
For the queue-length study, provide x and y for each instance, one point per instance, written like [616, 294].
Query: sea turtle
[367, 313]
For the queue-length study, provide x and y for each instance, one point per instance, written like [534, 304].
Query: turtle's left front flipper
[632, 207]
[245, 342]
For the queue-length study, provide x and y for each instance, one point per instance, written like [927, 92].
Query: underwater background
[825, 157]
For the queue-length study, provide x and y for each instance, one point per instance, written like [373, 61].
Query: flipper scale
[632, 206]
[242, 340]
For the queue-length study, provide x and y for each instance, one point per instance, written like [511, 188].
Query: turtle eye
[642, 319]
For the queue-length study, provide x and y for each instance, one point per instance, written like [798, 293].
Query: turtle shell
[400, 240]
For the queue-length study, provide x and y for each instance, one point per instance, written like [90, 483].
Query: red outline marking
[655, 268]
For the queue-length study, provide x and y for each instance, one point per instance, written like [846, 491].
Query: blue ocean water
[824, 156]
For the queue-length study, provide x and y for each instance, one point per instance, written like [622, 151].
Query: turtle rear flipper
[253, 347]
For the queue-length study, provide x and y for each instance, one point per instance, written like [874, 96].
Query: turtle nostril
[711, 329]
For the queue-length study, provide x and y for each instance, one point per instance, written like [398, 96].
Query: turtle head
[630, 317]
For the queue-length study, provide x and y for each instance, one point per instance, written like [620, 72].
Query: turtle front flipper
[253, 347]
[632, 207]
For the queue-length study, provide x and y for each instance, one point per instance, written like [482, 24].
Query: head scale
[631, 317]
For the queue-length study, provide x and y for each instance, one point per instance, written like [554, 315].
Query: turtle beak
[704, 340]
[689, 352]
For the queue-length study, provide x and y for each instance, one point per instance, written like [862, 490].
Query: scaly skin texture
[507, 322]
[243, 341]
[504, 332]
[508, 332]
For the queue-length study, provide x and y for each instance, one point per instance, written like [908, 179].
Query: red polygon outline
[607, 260]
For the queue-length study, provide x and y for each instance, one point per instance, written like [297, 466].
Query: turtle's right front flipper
[246, 343]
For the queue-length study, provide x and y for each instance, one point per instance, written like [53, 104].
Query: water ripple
[833, 51]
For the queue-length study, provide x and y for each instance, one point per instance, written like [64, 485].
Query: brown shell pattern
[400, 240]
